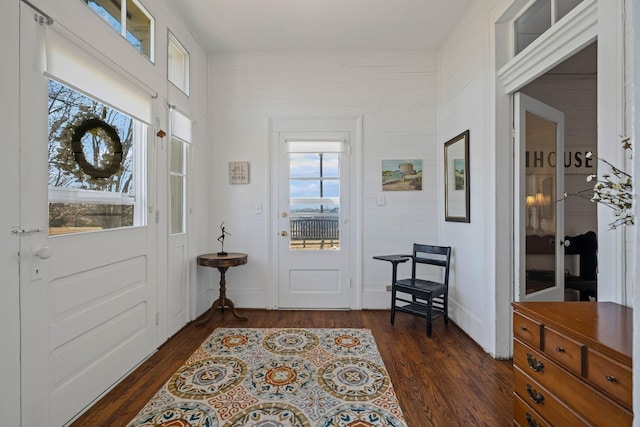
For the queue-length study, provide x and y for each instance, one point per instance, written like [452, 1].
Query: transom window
[178, 64]
[131, 20]
[537, 18]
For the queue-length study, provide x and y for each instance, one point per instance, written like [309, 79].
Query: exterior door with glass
[87, 254]
[313, 220]
[539, 208]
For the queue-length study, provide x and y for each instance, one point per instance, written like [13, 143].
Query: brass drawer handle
[611, 379]
[534, 395]
[531, 422]
[523, 328]
[560, 349]
[534, 363]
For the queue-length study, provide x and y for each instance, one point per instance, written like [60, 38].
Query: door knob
[43, 252]
[283, 233]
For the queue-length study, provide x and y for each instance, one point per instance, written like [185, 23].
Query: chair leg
[393, 304]
[429, 301]
[446, 309]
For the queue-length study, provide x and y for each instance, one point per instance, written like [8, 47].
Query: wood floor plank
[447, 380]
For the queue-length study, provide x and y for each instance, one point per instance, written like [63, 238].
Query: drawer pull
[560, 349]
[531, 422]
[534, 363]
[610, 379]
[523, 328]
[534, 395]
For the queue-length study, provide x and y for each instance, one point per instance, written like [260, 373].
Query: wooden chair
[429, 298]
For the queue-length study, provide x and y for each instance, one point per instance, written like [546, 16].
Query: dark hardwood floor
[447, 380]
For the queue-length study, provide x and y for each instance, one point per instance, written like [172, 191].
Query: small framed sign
[238, 172]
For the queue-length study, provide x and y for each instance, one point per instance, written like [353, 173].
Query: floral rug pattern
[278, 377]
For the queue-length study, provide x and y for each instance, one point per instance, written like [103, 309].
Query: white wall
[615, 280]
[634, 92]
[395, 92]
[464, 104]
[9, 216]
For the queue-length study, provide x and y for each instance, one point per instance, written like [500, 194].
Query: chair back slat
[438, 262]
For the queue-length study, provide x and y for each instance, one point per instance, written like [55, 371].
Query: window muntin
[131, 20]
[77, 201]
[178, 64]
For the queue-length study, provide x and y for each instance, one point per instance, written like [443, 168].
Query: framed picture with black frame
[456, 179]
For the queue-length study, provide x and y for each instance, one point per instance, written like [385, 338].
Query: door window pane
[94, 167]
[314, 207]
[178, 185]
[540, 163]
[177, 204]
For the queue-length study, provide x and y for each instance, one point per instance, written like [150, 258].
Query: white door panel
[178, 286]
[315, 288]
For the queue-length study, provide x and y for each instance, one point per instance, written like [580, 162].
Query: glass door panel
[539, 136]
[314, 201]
[540, 164]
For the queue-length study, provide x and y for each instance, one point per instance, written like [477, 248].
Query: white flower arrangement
[614, 190]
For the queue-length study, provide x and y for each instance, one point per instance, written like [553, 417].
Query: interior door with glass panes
[539, 208]
[313, 212]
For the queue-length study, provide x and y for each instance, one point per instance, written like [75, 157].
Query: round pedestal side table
[222, 262]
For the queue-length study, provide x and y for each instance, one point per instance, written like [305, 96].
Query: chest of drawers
[572, 364]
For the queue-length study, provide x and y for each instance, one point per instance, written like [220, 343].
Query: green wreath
[76, 146]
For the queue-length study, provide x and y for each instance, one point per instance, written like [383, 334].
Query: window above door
[131, 20]
[536, 18]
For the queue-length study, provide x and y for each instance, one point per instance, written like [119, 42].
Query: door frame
[605, 24]
[352, 125]
[10, 387]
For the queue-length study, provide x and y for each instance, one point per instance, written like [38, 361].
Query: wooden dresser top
[606, 326]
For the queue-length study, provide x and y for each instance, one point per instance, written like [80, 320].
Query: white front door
[87, 299]
[313, 235]
[539, 208]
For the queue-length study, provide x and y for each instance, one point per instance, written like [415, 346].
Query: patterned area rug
[278, 378]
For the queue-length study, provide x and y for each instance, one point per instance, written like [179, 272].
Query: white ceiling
[303, 25]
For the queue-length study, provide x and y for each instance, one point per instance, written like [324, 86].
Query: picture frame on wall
[238, 172]
[456, 179]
